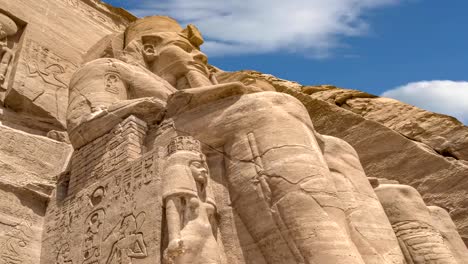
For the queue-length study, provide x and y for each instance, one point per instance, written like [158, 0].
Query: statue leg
[293, 183]
[279, 182]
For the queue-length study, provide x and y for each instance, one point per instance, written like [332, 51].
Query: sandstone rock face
[120, 144]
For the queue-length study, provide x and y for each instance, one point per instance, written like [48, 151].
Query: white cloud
[311, 27]
[445, 97]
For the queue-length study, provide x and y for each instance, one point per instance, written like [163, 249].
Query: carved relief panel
[81, 7]
[42, 77]
[20, 229]
[114, 217]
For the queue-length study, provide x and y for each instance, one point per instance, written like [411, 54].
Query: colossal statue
[302, 197]
[276, 173]
[8, 28]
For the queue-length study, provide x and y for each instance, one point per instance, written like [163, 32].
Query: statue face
[171, 53]
[199, 171]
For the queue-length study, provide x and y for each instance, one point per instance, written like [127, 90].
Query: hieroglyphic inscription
[84, 9]
[130, 242]
[92, 241]
[16, 243]
[111, 80]
[63, 255]
[50, 67]
[44, 78]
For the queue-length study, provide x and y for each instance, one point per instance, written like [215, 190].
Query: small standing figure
[7, 28]
[190, 210]
[63, 255]
[130, 244]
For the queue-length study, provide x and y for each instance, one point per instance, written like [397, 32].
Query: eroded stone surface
[176, 161]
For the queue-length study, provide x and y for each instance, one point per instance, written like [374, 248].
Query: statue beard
[195, 75]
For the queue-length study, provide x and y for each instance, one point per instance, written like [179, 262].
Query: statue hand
[173, 250]
[187, 99]
[2, 77]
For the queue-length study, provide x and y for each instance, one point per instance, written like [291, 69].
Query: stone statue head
[128, 226]
[8, 27]
[186, 171]
[168, 50]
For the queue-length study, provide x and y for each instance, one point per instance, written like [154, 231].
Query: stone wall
[44, 51]
[53, 35]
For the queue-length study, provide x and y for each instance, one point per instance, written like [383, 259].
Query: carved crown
[186, 143]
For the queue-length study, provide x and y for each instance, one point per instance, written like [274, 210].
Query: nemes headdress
[158, 24]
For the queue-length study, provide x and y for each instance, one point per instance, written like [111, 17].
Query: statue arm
[173, 216]
[187, 99]
[141, 245]
[90, 126]
[7, 57]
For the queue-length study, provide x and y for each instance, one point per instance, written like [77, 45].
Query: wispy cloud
[309, 27]
[445, 97]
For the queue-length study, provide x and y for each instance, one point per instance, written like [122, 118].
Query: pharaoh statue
[420, 241]
[190, 207]
[7, 28]
[277, 168]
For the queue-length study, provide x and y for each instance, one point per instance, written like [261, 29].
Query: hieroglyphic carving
[16, 243]
[92, 13]
[111, 79]
[63, 255]
[91, 250]
[130, 242]
[46, 75]
[51, 68]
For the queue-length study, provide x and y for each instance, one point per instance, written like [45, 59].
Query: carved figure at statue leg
[7, 28]
[274, 165]
[189, 206]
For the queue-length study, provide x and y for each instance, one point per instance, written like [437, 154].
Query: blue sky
[411, 50]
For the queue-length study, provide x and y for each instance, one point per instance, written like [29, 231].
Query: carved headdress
[177, 176]
[182, 143]
[151, 25]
